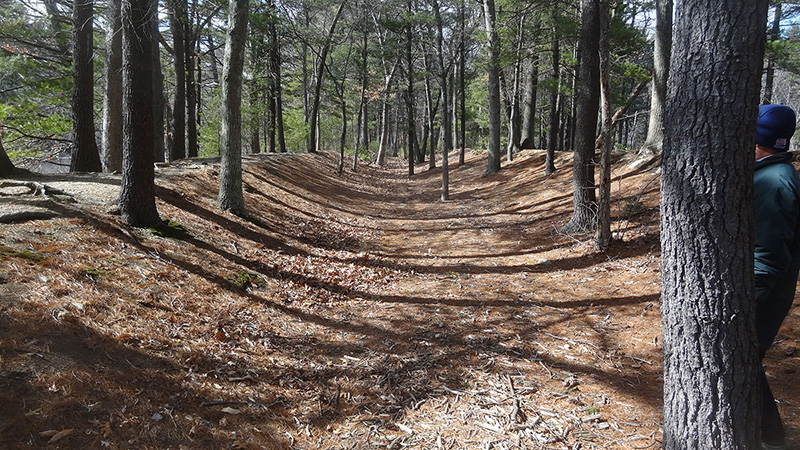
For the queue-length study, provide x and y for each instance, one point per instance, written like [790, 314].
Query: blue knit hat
[776, 124]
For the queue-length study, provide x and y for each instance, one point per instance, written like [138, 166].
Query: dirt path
[352, 312]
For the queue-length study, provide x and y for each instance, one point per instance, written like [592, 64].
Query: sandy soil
[350, 312]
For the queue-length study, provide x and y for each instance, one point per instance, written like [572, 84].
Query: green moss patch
[95, 273]
[7, 252]
[245, 281]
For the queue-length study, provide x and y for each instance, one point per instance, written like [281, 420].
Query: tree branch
[29, 136]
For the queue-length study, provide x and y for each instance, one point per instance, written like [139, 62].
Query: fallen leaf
[229, 410]
[60, 435]
[48, 433]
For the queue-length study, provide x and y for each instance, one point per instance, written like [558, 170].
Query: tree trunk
[447, 132]
[462, 88]
[661, 54]
[432, 108]
[313, 116]
[85, 157]
[584, 197]
[255, 98]
[514, 131]
[272, 114]
[384, 136]
[112, 100]
[343, 134]
[553, 129]
[412, 154]
[602, 238]
[137, 203]
[213, 60]
[362, 138]
[159, 141]
[711, 397]
[176, 24]
[493, 49]
[774, 35]
[529, 105]
[191, 93]
[275, 58]
[6, 166]
[231, 197]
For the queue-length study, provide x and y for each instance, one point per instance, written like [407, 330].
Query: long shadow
[176, 200]
[62, 374]
[636, 247]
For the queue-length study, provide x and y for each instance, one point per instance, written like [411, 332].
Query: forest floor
[349, 312]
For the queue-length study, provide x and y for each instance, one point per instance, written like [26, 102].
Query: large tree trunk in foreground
[711, 398]
[230, 195]
[584, 197]
[85, 157]
[137, 202]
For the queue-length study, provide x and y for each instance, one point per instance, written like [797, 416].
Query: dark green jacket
[776, 194]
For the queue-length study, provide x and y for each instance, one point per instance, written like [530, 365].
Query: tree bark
[514, 121]
[602, 238]
[6, 166]
[529, 104]
[430, 138]
[462, 87]
[85, 157]
[711, 397]
[112, 100]
[191, 90]
[137, 203]
[774, 35]
[552, 130]
[231, 197]
[362, 138]
[275, 58]
[447, 131]
[159, 141]
[383, 145]
[177, 18]
[493, 49]
[584, 196]
[661, 55]
[412, 154]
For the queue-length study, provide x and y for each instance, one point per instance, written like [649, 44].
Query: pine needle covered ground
[348, 312]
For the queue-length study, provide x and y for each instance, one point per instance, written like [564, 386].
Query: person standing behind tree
[776, 194]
